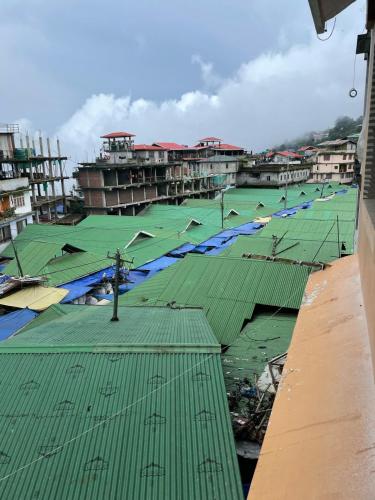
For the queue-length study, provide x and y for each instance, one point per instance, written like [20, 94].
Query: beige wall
[366, 253]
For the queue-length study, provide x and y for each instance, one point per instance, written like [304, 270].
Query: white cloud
[269, 99]
[210, 78]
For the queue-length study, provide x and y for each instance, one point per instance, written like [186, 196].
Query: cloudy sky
[250, 71]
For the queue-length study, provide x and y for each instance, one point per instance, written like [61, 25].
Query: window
[326, 157]
[336, 167]
[18, 201]
[5, 233]
[268, 177]
[226, 165]
[344, 157]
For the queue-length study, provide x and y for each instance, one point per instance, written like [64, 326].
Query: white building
[273, 174]
[15, 208]
[335, 161]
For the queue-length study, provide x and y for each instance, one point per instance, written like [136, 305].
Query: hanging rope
[329, 36]
[353, 91]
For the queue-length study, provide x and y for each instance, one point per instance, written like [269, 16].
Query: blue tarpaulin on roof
[75, 291]
[201, 249]
[215, 241]
[218, 250]
[286, 213]
[248, 228]
[228, 233]
[94, 278]
[158, 264]
[182, 250]
[12, 322]
[308, 204]
[135, 278]
[341, 192]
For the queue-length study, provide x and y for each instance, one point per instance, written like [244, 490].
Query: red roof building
[147, 147]
[172, 146]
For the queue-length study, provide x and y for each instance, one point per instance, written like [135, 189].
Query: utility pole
[286, 187]
[321, 194]
[17, 259]
[118, 263]
[338, 237]
[222, 209]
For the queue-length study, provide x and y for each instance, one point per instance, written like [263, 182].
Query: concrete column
[51, 174]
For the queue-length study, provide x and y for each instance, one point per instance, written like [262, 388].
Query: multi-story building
[45, 173]
[15, 207]
[273, 174]
[126, 177]
[334, 161]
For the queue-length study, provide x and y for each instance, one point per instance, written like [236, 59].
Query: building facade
[334, 161]
[43, 171]
[126, 177]
[273, 174]
[15, 208]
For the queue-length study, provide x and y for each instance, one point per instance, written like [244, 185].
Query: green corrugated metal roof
[227, 289]
[311, 229]
[287, 248]
[33, 255]
[51, 313]
[72, 266]
[265, 337]
[82, 425]
[90, 327]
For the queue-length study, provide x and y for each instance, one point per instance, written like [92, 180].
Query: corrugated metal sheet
[84, 425]
[33, 255]
[226, 288]
[69, 267]
[311, 229]
[51, 313]
[36, 298]
[91, 326]
[287, 248]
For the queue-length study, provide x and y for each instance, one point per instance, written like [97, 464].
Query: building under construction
[44, 170]
[127, 177]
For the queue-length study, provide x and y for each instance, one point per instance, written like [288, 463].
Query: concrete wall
[366, 252]
[246, 178]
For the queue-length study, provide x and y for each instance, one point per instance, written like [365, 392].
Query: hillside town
[189, 321]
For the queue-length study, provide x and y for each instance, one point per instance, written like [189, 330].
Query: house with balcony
[334, 161]
[15, 207]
